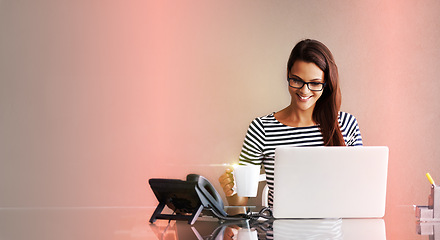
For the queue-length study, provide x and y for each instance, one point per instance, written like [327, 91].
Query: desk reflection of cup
[247, 234]
[246, 180]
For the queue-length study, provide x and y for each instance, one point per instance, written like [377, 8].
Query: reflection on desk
[400, 223]
[129, 223]
[329, 229]
[431, 229]
[336, 229]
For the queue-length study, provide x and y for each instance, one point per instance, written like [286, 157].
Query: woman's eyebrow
[312, 80]
[316, 79]
[294, 76]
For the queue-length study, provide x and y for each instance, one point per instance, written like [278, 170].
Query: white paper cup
[246, 180]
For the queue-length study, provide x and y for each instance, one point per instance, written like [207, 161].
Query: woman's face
[303, 98]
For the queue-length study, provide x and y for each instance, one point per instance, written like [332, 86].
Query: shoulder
[261, 123]
[350, 129]
[266, 119]
[344, 115]
[347, 119]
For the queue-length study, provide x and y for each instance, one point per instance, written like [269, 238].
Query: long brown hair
[328, 105]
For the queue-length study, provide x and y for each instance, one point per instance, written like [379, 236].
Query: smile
[302, 98]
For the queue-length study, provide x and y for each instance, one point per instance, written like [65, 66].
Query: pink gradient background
[96, 98]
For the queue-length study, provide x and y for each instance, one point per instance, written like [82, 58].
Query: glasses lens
[296, 83]
[316, 86]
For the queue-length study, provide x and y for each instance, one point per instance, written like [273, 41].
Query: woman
[312, 118]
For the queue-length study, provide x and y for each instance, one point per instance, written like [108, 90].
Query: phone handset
[209, 197]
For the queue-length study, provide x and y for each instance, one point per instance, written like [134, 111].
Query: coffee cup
[247, 234]
[246, 180]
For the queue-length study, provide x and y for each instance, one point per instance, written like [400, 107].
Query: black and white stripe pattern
[266, 133]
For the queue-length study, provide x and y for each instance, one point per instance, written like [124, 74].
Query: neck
[297, 118]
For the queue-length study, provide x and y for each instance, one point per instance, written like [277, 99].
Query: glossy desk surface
[133, 223]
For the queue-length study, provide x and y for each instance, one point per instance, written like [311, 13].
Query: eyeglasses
[312, 86]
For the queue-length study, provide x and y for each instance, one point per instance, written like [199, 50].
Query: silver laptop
[346, 229]
[330, 182]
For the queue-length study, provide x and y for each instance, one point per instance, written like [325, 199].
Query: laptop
[329, 228]
[330, 182]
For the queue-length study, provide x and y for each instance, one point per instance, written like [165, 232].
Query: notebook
[330, 182]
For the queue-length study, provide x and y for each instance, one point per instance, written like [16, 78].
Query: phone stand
[430, 213]
[190, 218]
[179, 196]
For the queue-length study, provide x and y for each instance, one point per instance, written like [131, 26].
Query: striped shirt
[266, 133]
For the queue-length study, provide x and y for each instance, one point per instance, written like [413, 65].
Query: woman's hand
[231, 232]
[227, 183]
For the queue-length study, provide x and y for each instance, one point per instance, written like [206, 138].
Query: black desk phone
[186, 198]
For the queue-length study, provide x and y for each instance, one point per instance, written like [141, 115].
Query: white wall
[97, 97]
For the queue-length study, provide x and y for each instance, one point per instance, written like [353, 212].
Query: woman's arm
[251, 153]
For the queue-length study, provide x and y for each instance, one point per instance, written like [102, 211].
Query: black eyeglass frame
[306, 83]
